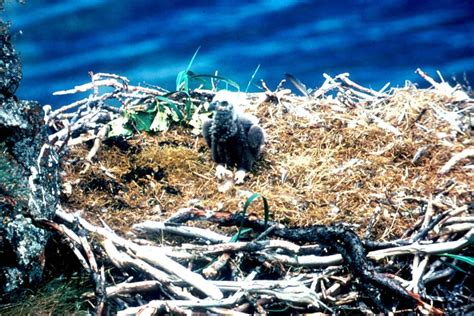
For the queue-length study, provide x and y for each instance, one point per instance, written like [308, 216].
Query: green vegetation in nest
[159, 113]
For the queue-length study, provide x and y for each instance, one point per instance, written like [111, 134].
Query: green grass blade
[188, 107]
[456, 268]
[249, 201]
[182, 79]
[179, 80]
[193, 76]
[176, 110]
[469, 260]
[240, 233]
[192, 59]
[227, 81]
[164, 98]
[251, 78]
[266, 208]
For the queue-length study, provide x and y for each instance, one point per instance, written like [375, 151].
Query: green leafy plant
[154, 114]
[158, 113]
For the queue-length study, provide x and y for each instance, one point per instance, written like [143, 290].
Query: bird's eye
[224, 103]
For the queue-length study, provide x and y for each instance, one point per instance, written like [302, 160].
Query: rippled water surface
[151, 41]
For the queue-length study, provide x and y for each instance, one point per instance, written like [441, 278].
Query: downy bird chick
[235, 139]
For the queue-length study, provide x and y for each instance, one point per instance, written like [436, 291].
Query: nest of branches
[366, 204]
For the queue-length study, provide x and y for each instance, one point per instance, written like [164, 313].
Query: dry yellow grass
[329, 165]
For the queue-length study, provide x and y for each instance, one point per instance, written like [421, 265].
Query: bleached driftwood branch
[144, 253]
[466, 153]
[157, 262]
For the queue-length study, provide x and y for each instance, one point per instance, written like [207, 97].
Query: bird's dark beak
[213, 106]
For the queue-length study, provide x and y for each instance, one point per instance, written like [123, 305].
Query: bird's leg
[222, 172]
[239, 176]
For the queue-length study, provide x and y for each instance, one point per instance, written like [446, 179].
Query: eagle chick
[235, 139]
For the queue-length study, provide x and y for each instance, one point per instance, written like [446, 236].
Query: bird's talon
[239, 177]
[221, 172]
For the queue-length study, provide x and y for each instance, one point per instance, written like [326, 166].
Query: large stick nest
[322, 164]
[394, 167]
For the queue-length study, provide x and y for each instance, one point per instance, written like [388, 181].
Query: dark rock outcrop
[29, 178]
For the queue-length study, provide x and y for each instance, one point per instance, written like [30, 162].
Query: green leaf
[469, 260]
[170, 103]
[142, 120]
[118, 127]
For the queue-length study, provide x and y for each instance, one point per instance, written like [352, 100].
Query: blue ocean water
[151, 41]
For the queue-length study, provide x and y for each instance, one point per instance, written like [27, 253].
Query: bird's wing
[248, 118]
[256, 136]
[206, 127]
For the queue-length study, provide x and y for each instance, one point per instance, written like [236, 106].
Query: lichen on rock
[29, 178]
[10, 66]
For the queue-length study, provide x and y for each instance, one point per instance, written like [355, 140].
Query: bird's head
[223, 104]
